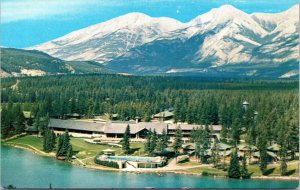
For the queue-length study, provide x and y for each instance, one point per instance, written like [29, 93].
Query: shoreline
[102, 168]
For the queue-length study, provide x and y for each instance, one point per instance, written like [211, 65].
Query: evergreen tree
[215, 155]
[153, 143]
[160, 146]
[262, 147]
[69, 153]
[49, 140]
[7, 128]
[283, 166]
[244, 170]
[46, 141]
[126, 140]
[19, 123]
[148, 142]
[165, 139]
[59, 146]
[234, 167]
[177, 140]
[263, 161]
[201, 137]
[63, 145]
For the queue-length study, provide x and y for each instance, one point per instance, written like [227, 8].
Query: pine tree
[153, 144]
[215, 155]
[165, 139]
[69, 153]
[283, 166]
[59, 145]
[177, 140]
[234, 167]
[262, 147]
[160, 146]
[126, 140]
[263, 161]
[53, 139]
[48, 140]
[244, 170]
[63, 145]
[148, 142]
[19, 123]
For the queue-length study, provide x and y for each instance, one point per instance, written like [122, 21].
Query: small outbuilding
[108, 152]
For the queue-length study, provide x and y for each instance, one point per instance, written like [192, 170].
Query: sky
[25, 23]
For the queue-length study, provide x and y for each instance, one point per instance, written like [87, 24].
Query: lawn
[82, 149]
[272, 170]
[86, 150]
[208, 169]
[36, 142]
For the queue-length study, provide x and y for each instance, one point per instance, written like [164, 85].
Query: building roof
[76, 125]
[271, 154]
[159, 127]
[31, 129]
[73, 115]
[245, 103]
[222, 146]
[274, 147]
[119, 128]
[108, 150]
[27, 114]
[164, 114]
[247, 147]
[193, 126]
[225, 153]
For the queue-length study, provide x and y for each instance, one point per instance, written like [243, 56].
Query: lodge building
[116, 129]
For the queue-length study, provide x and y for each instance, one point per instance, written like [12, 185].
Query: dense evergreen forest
[272, 115]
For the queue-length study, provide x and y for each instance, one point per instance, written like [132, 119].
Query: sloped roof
[225, 153]
[272, 154]
[274, 147]
[164, 114]
[193, 126]
[222, 146]
[119, 128]
[159, 127]
[76, 125]
[27, 114]
[246, 147]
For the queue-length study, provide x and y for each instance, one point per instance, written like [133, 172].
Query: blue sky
[25, 23]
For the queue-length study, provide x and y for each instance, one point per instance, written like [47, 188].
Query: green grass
[86, 150]
[36, 142]
[188, 163]
[208, 169]
[81, 148]
[273, 170]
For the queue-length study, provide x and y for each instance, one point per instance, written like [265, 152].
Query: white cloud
[15, 10]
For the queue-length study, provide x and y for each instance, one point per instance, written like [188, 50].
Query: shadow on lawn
[290, 172]
[269, 171]
[133, 150]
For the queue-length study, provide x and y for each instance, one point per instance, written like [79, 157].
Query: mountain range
[223, 41]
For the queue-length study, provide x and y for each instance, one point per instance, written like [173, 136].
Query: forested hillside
[17, 62]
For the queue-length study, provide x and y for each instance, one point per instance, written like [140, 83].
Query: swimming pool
[134, 158]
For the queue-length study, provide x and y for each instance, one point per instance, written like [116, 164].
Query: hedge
[107, 163]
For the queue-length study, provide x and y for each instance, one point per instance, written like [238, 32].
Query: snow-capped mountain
[106, 41]
[223, 36]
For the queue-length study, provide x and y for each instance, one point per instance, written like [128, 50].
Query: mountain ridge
[220, 37]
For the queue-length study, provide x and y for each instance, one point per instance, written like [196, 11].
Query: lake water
[24, 169]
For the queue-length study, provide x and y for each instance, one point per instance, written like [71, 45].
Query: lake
[24, 169]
